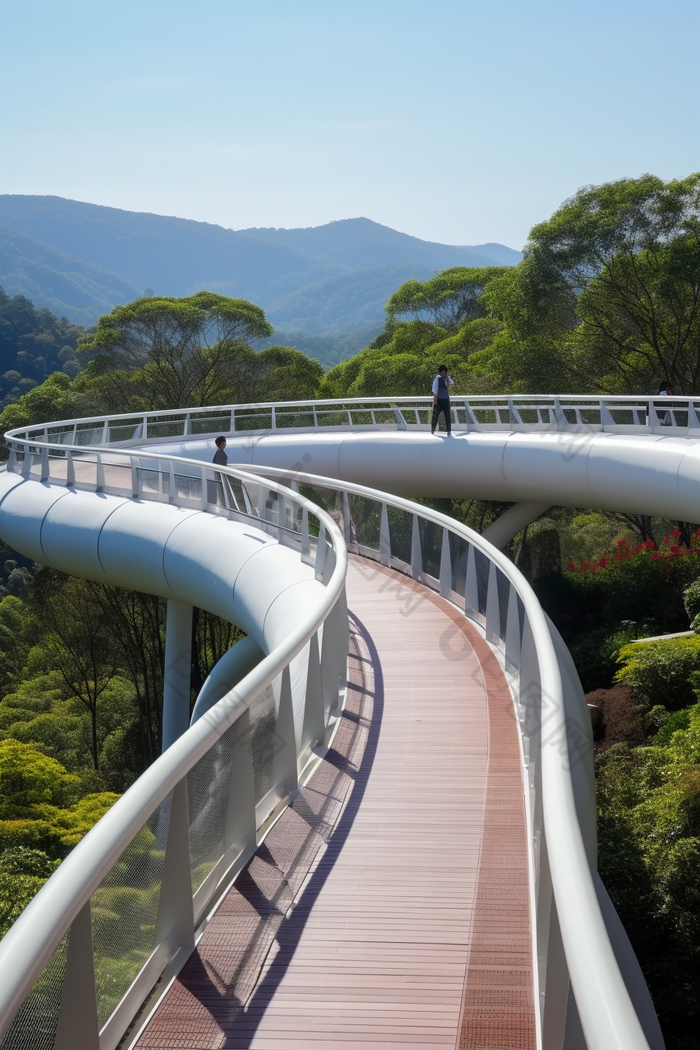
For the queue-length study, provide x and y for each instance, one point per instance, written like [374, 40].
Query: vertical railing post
[178, 669]
[314, 729]
[175, 922]
[334, 655]
[77, 1019]
[99, 474]
[45, 470]
[135, 489]
[493, 614]
[285, 772]
[347, 523]
[12, 461]
[416, 552]
[384, 537]
[70, 469]
[445, 564]
[172, 491]
[305, 536]
[512, 631]
[471, 587]
[606, 419]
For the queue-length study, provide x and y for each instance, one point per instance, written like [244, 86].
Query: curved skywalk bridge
[537, 958]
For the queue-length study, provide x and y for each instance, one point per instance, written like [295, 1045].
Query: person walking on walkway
[441, 399]
[220, 457]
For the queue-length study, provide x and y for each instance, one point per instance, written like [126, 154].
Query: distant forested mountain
[57, 281]
[328, 281]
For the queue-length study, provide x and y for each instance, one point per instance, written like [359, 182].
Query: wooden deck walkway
[389, 906]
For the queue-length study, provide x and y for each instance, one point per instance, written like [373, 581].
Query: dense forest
[606, 299]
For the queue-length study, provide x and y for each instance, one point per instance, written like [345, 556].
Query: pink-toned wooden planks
[389, 905]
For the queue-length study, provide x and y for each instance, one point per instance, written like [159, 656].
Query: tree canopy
[447, 300]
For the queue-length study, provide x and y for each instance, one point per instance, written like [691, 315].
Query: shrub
[660, 672]
[691, 599]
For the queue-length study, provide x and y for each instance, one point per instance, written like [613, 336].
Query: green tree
[448, 299]
[175, 352]
[608, 293]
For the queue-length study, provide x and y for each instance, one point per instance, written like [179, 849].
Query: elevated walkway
[389, 905]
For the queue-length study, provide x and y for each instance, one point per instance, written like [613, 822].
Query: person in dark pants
[220, 457]
[441, 399]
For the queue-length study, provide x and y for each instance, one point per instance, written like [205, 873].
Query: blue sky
[459, 122]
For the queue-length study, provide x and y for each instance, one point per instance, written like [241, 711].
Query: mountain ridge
[82, 259]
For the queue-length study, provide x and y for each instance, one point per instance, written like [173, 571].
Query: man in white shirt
[441, 399]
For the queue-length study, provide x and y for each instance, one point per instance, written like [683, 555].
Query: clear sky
[455, 121]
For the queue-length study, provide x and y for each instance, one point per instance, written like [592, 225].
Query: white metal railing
[628, 413]
[570, 937]
[121, 911]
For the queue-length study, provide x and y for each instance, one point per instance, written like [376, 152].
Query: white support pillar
[178, 668]
[505, 528]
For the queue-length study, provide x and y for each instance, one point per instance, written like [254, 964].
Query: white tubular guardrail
[623, 414]
[571, 936]
[120, 913]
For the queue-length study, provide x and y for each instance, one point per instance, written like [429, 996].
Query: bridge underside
[389, 905]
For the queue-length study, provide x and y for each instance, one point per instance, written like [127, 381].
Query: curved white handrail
[552, 721]
[29, 944]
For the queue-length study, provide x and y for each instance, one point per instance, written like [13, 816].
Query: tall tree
[448, 299]
[610, 289]
[176, 352]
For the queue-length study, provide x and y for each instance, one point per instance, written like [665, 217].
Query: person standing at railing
[441, 399]
[220, 457]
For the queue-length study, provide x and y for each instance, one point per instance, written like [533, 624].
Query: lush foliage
[33, 344]
[649, 859]
[158, 353]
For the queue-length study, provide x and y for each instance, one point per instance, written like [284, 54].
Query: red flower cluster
[626, 552]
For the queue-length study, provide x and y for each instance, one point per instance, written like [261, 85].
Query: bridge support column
[505, 528]
[178, 668]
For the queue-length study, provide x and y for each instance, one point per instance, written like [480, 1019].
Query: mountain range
[324, 285]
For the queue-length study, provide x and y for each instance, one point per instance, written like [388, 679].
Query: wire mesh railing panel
[364, 418]
[263, 740]
[89, 435]
[208, 424]
[35, 1023]
[301, 419]
[166, 428]
[60, 435]
[152, 482]
[332, 417]
[123, 431]
[382, 416]
[366, 517]
[430, 545]
[459, 551]
[400, 531]
[208, 790]
[253, 420]
[125, 910]
[117, 476]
